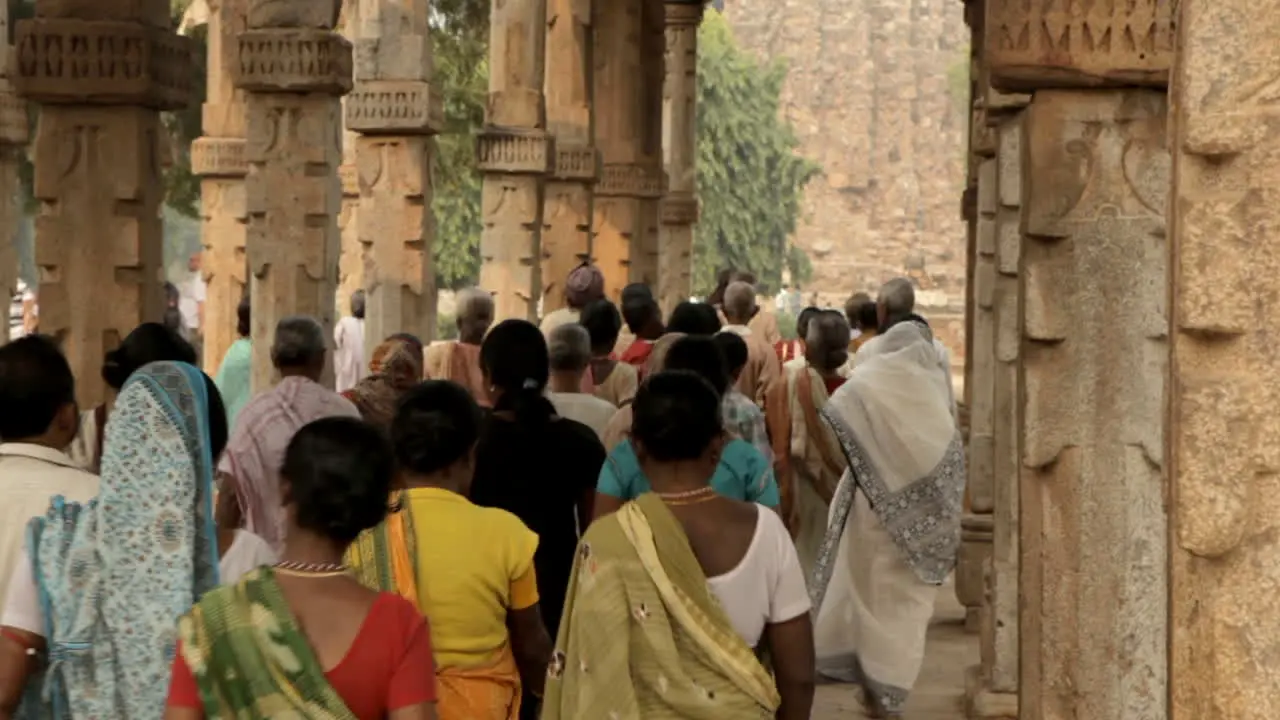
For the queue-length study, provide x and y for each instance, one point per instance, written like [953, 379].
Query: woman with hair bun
[468, 568]
[538, 466]
[673, 596]
[305, 638]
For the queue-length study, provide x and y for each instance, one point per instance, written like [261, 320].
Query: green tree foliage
[750, 176]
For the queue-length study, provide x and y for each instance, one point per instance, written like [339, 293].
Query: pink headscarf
[585, 284]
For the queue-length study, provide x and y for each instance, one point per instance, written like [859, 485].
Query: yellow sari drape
[642, 634]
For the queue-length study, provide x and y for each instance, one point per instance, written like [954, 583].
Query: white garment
[943, 362]
[29, 476]
[191, 295]
[348, 358]
[22, 609]
[767, 587]
[589, 410]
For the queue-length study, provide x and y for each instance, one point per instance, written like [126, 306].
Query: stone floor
[939, 692]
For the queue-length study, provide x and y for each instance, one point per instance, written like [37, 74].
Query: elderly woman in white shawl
[894, 523]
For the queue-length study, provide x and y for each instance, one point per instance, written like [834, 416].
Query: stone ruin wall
[877, 91]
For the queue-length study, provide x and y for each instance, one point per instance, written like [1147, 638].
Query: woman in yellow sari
[673, 595]
[467, 568]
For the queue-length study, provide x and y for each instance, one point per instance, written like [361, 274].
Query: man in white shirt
[192, 293]
[569, 347]
[39, 420]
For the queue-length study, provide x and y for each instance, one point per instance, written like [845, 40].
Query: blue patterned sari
[116, 574]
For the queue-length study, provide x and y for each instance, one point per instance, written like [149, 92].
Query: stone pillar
[1222, 422]
[653, 40]
[628, 181]
[218, 158]
[294, 69]
[351, 253]
[679, 210]
[566, 214]
[98, 176]
[13, 140]
[515, 153]
[395, 109]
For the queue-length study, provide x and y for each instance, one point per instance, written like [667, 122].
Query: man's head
[641, 312]
[603, 324]
[802, 322]
[193, 262]
[299, 348]
[702, 356]
[851, 306]
[569, 350]
[357, 304]
[475, 315]
[735, 353]
[897, 298]
[584, 286]
[38, 394]
[693, 318]
[827, 342]
[739, 302]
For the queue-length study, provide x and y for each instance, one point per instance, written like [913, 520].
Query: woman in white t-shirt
[675, 595]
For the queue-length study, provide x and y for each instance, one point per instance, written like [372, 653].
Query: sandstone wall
[877, 92]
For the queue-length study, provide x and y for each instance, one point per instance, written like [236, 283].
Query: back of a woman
[673, 595]
[305, 638]
[532, 463]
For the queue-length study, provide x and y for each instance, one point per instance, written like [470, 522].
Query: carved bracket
[516, 152]
[349, 177]
[293, 61]
[681, 12]
[679, 209]
[219, 157]
[577, 163]
[76, 62]
[636, 181]
[395, 107]
[14, 126]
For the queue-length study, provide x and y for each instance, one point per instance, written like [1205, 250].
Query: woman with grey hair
[249, 491]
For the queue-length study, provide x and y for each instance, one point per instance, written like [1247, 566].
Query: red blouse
[388, 667]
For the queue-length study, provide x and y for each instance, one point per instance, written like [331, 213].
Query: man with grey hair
[459, 360]
[249, 471]
[569, 347]
[763, 366]
[895, 303]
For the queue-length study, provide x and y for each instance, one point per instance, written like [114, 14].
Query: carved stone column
[515, 153]
[294, 68]
[679, 147]
[566, 228]
[1225, 231]
[218, 158]
[396, 110]
[1089, 391]
[351, 253]
[98, 236]
[13, 139]
[644, 246]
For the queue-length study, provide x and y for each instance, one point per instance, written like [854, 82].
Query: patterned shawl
[894, 424]
[251, 660]
[114, 575]
[256, 450]
[643, 635]
[396, 368]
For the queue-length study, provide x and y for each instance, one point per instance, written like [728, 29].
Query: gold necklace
[689, 497]
[312, 570]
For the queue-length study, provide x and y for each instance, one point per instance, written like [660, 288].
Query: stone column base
[979, 702]
[972, 620]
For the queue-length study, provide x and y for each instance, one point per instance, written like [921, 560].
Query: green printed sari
[251, 660]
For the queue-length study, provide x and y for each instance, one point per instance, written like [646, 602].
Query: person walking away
[763, 367]
[531, 462]
[584, 286]
[743, 473]
[192, 293]
[742, 417]
[894, 526]
[643, 318]
[348, 338]
[468, 568]
[249, 472]
[148, 343]
[610, 380]
[620, 424]
[396, 368]
[103, 583]
[459, 360]
[673, 596]
[791, 352]
[897, 302]
[304, 638]
[569, 353]
[234, 374]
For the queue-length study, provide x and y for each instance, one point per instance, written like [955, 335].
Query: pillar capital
[679, 209]
[219, 157]
[580, 163]
[683, 12]
[515, 152]
[395, 107]
[15, 129]
[635, 180]
[293, 60]
[130, 63]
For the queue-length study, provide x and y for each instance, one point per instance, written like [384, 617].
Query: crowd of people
[614, 515]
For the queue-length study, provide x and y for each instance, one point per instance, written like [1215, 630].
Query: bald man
[763, 366]
[459, 360]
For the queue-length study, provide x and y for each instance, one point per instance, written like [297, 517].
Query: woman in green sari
[673, 596]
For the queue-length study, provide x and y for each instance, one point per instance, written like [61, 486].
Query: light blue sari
[116, 574]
